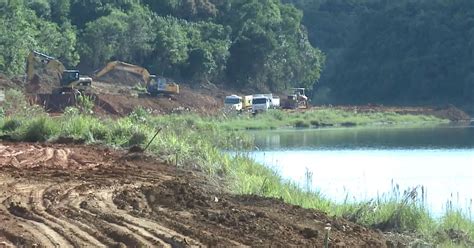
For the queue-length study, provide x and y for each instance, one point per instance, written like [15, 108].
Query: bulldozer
[154, 85]
[296, 98]
[69, 80]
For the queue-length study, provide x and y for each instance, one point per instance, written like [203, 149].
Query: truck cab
[261, 103]
[233, 102]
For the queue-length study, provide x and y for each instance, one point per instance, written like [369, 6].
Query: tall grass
[323, 117]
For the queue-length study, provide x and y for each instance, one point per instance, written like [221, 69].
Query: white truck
[237, 103]
[233, 102]
[263, 102]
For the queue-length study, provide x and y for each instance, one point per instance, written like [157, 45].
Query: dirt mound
[132, 201]
[452, 113]
[123, 78]
[43, 83]
[189, 100]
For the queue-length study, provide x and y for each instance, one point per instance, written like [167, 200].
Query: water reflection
[363, 163]
[367, 138]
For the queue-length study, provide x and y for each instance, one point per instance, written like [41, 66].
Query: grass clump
[137, 138]
[11, 124]
[301, 124]
[39, 129]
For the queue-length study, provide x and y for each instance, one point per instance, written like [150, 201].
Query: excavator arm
[154, 85]
[37, 62]
[122, 66]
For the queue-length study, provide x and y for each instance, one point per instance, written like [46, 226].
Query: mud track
[83, 196]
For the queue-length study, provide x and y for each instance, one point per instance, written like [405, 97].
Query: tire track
[72, 233]
[90, 196]
[102, 202]
[26, 204]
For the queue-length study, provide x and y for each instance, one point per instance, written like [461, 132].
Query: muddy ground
[55, 195]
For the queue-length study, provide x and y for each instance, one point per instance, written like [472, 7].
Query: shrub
[85, 103]
[315, 123]
[137, 138]
[301, 124]
[40, 129]
[98, 132]
[11, 125]
[140, 114]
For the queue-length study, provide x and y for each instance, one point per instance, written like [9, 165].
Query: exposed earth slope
[88, 196]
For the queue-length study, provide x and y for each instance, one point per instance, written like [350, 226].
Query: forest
[238, 43]
[404, 52]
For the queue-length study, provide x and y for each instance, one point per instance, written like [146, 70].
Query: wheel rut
[65, 195]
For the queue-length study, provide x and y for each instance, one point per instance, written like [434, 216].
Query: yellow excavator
[154, 85]
[69, 80]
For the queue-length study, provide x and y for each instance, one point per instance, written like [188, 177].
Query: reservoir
[360, 164]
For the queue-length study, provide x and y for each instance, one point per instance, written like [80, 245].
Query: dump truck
[238, 103]
[263, 102]
[154, 85]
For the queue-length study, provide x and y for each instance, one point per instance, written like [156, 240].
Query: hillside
[393, 52]
[245, 44]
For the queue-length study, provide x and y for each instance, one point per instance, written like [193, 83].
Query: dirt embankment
[188, 100]
[82, 196]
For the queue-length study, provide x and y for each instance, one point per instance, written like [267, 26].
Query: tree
[21, 31]
[120, 35]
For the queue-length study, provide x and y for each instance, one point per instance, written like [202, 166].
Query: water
[363, 163]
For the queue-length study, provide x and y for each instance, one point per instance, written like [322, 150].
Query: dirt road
[55, 195]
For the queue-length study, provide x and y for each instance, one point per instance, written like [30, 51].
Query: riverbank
[195, 142]
[328, 117]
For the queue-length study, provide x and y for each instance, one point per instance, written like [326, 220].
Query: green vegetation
[323, 117]
[393, 52]
[197, 142]
[375, 51]
[239, 43]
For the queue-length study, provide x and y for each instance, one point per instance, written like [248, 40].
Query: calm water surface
[363, 163]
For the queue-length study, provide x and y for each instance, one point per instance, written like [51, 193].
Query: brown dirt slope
[189, 100]
[82, 196]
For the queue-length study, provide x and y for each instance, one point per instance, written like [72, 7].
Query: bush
[140, 114]
[99, 132]
[11, 125]
[137, 138]
[40, 129]
[315, 123]
[85, 103]
[301, 124]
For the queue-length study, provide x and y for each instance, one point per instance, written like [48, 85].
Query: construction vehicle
[264, 102]
[238, 103]
[69, 80]
[154, 85]
[296, 99]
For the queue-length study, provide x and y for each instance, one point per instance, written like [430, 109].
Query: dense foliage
[402, 52]
[241, 43]
[377, 51]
